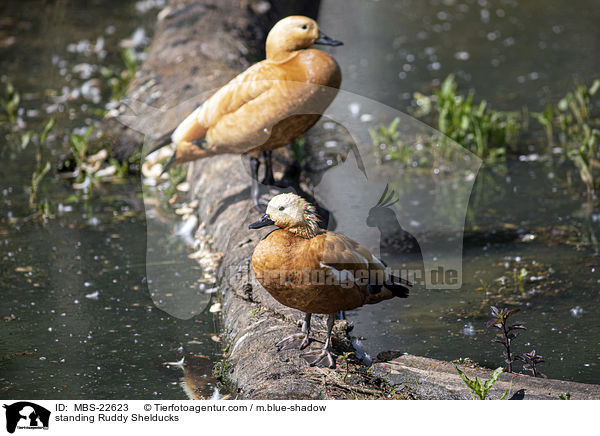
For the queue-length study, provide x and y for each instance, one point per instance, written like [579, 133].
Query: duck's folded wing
[241, 115]
[346, 261]
[243, 88]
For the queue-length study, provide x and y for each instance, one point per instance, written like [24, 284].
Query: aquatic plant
[480, 129]
[519, 279]
[41, 169]
[36, 179]
[478, 388]
[507, 333]
[546, 119]
[420, 151]
[79, 147]
[566, 396]
[388, 143]
[10, 104]
[177, 174]
[119, 80]
[574, 128]
[530, 360]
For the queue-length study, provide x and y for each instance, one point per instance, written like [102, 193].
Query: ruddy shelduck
[316, 271]
[267, 106]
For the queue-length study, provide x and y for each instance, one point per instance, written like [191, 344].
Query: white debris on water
[93, 295]
[185, 228]
[138, 40]
[144, 6]
[178, 364]
[468, 330]
[576, 311]
[354, 109]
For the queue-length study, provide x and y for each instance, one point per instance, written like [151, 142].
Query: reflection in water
[196, 382]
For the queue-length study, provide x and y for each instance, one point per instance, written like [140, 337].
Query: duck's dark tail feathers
[399, 287]
[162, 141]
[170, 163]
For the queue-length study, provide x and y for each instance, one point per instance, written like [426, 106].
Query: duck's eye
[281, 208]
[304, 26]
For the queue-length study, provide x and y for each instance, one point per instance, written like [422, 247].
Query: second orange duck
[268, 105]
[316, 271]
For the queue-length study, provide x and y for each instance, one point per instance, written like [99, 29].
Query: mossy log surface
[197, 47]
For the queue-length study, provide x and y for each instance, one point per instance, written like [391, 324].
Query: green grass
[119, 80]
[177, 174]
[10, 104]
[389, 145]
[492, 134]
[79, 146]
[571, 124]
[419, 152]
[298, 147]
[486, 132]
[42, 168]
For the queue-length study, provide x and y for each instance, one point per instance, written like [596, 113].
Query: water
[510, 52]
[78, 320]
[561, 288]
[514, 53]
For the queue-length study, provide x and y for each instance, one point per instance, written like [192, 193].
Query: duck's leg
[275, 186]
[323, 357]
[255, 188]
[300, 340]
[269, 180]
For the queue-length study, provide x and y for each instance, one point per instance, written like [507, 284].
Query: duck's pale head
[295, 33]
[292, 213]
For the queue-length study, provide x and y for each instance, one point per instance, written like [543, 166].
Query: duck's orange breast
[313, 275]
[314, 66]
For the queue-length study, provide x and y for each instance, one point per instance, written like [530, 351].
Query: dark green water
[79, 321]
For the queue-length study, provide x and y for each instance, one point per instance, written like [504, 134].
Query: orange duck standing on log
[316, 271]
[267, 106]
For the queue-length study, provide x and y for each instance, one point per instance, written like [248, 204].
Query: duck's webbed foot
[322, 358]
[297, 340]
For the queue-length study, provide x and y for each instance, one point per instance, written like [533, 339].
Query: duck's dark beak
[326, 40]
[262, 222]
